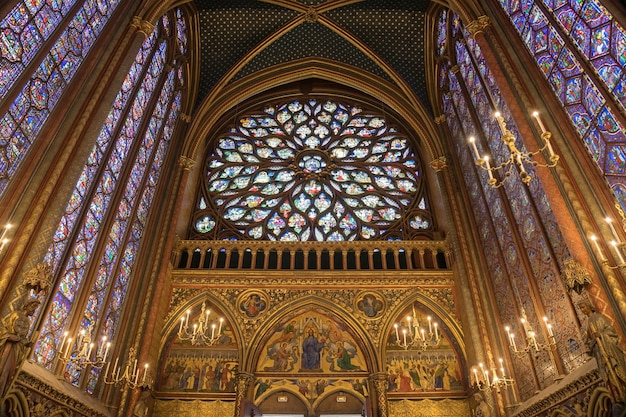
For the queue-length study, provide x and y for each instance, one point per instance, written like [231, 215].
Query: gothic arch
[16, 405]
[600, 403]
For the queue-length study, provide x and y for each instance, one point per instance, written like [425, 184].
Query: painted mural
[201, 366]
[420, 357]
[311, 342]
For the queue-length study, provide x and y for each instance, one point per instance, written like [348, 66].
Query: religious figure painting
[253, 303]
[198, 371]
[311, 343]
[370, 304]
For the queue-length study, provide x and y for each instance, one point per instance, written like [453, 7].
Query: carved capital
[186, 163]
[440, 119]
[38, 279]
[185, 117]
[454, 69]
[142, 26]
[439, 163]
[478, 26]
[380, 381]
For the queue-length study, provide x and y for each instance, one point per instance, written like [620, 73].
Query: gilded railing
[386, 255]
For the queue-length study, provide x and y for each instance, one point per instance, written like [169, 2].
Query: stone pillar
[380, 382]
[245, 381]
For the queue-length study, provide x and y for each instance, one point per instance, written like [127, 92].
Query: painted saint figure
[311, 351]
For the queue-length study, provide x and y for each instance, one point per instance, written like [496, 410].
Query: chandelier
[415, 336]
[516, 158]
[201, 333]
[79, 352]
[127, 375]
[496, 382]
[532, 343]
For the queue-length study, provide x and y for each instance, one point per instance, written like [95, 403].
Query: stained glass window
[312, 170]
[84, 219]
[589, 79]
[27, 28]
[512, 235]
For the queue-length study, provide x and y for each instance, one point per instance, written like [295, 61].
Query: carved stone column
[244, 382]
[380, 382]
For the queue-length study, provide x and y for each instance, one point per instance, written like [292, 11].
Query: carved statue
[141, 407]
[602, 342]
[482, 408]
[14, 343]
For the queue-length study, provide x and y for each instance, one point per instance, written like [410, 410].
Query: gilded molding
[477, 26]
[195, 408]
[428, 407]
[575, 276]
[142, 26]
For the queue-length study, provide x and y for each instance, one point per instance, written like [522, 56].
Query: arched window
[312, 169]
[110, 204]
[43, 45]
[515, 224]
[581, 50]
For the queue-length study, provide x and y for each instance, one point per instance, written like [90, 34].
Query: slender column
[370, 259]
[253, 252]
[244, 381]
[380, 382]
[305, 252]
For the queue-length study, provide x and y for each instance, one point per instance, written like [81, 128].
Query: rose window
[311, 170]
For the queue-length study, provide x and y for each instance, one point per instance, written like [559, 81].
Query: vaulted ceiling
[382, 37]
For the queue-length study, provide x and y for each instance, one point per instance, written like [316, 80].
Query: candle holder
[79, 352]
[485, 383]
[414, 336]
[201, 333]
[617, 245]
[532, 344]
[516, 158]
[127, 375]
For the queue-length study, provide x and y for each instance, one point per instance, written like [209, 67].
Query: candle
[541, 126]
[408, 319]
[472, 142]
[213, 331]
[182, 321]
[488, 167]
[404, 335]
[423, 335]
[548, 326]
[513, 342]
[502, 368]
[595, 241]
[476, 377]
[534, 340]
[106, 351]
[219, 331]
[619, 253]
[486, 372]
[187, 320]
[145, 372]
[500, 120]
[395, 326]
[135, 367]
[89, 351]
[67, 348]
[106, 371]
[63, 342]
[613, 231]
[136, 375]
[436, 333]
[430, 327]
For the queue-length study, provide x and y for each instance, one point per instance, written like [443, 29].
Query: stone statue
[602, 342]
[14, 343]
[482, 408]
[141, 408]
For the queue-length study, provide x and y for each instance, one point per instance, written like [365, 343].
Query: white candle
[430, 327]
[595, 241]
[395, 326]
[106, 351]
[423, 335]
[436, 332]
[534, 340]
[502, 368]
[488, 166]
[213, 331]
[408, 319]
[613, 231]
[67, 348]
[106, 371]
[548, 326]
[476, 377]
[89, 351]
[63, 342]
[145, 372]
[404, 335]
[619, 253]
[541, 126]
[135, 367]
[115, 368]
[219, 331]
[513, 342]
[187, 320]
[500, 120]
[472, 141]
[182, 321]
